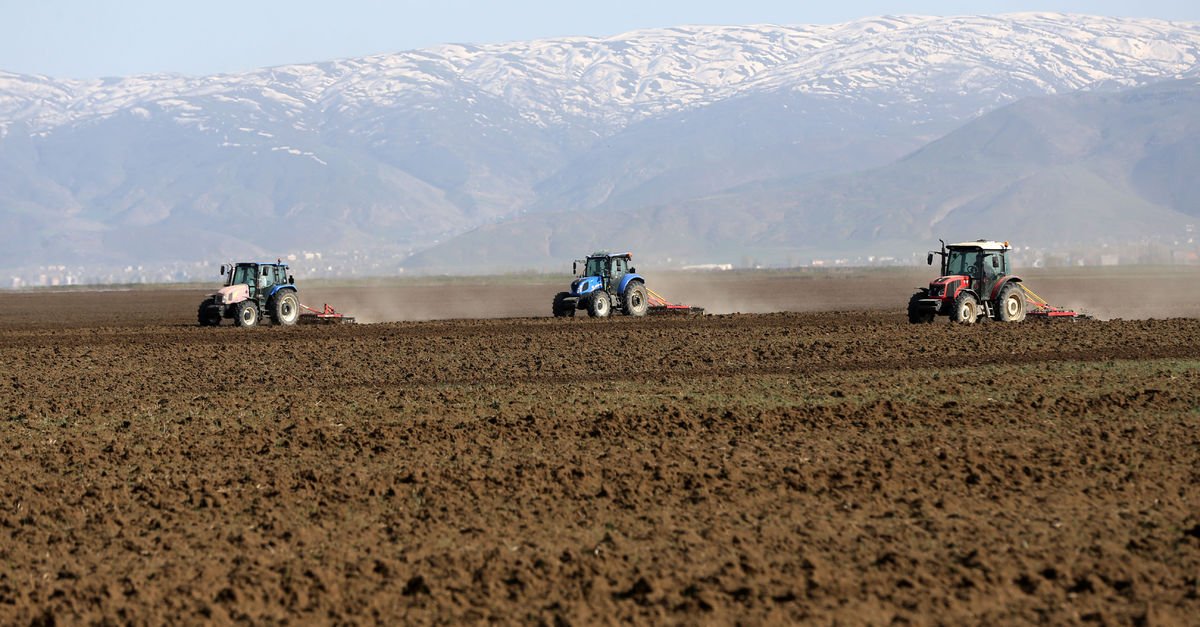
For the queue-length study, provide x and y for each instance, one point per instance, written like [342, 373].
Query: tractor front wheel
[247, 314]
[1012, 303]
[209, 314]
[286, 309]
[599, 304]
[917, 314]
[563, 309]
[966, 309]
[635, 300]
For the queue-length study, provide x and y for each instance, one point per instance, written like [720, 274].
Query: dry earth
[753, 468]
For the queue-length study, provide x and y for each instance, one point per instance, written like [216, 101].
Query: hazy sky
[93, 38]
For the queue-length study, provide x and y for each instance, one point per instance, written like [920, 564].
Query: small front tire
[561, 308]
[599, 304]
[246, 314]
[918, 314]
[966, 309]
[209, 314]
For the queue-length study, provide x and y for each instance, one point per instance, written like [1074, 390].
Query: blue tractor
[252, 292]
[604, 282]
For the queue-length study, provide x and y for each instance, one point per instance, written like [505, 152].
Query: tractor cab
[981, 264]
[257, 277]
[604, 271]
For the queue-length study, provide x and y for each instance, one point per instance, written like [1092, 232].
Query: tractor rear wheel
[563, 309]
[247, 314]
[1011, 305]
[286, 309]
[209, 314]
[966, 309]
[599, 304]
[917, 314]
[635, 300]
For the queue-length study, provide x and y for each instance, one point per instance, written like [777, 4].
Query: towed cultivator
[659, 306]
[327, 315]
[1039, 308]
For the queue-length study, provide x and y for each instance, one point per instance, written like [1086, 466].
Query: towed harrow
[326, 315]
[1038, 307]
[660, 306]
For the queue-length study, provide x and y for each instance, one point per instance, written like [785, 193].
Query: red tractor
[976, 282]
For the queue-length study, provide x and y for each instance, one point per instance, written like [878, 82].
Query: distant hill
[710, 136]
[1058, 170]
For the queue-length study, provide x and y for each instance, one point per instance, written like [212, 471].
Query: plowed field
[754, 468]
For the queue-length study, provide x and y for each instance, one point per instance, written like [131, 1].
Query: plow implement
[327, 315]
[660, 306]
[1039, 308]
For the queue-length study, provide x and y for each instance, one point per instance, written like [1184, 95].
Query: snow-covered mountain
[410, 147]
[1063, 172]
[647, 73]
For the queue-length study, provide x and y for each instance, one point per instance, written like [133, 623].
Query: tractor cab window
[996, 270]
[961, 261]
[620, 267]
[268, 277]
[597, 266]
[244, 275]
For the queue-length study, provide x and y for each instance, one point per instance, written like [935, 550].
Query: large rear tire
[1011, 304]
[246, 314]
[209, 314]
[563, 309]
[635, 302]
[918, 314]
[286, 309]
[599, 304]
[966, 309]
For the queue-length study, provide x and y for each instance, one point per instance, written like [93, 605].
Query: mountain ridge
[1080, 169]
[397, 153]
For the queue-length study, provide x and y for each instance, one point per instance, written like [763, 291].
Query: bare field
[755, 468]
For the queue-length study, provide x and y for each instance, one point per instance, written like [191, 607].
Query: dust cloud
[448, 299]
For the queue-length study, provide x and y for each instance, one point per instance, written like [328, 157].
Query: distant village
[356, 264]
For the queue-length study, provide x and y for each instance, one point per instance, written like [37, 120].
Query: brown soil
[752, 468]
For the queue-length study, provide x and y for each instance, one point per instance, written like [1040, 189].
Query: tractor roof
[981, 244]
[609, 255]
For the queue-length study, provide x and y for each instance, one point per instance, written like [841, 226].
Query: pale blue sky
[93, 38]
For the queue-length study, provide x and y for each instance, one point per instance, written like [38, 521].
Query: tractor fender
[275, 290]
[1012, 278]
[972, 292]
[627, 279]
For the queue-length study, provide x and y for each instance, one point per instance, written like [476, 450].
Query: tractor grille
[940, 291]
